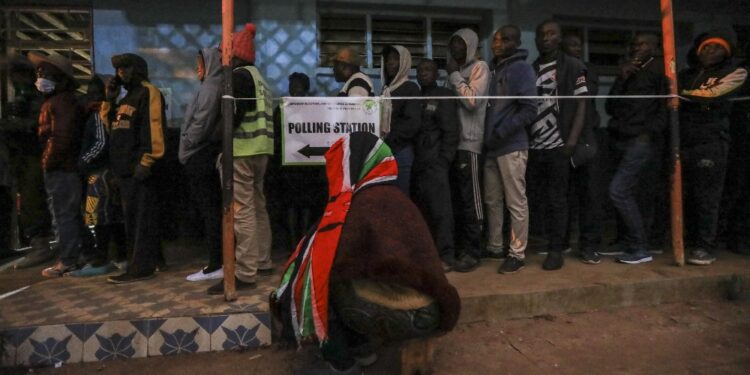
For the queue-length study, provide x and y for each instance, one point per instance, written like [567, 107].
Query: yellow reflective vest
[254, 135]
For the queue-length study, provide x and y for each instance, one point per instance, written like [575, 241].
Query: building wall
[168, 34]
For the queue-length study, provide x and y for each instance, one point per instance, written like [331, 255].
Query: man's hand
[569, 149]
[451, 66]
[628, 69]
[141, 172]
[112, 89]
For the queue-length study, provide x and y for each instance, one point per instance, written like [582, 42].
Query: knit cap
[243, 43]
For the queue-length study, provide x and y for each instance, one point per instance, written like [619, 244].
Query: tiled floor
[85, 319]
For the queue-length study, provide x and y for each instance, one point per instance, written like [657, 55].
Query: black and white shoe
[511, 265]
[701, 257]
[589, 256]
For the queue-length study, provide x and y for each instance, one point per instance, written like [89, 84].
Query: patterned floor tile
[113, 340]
[240, 332]
[48, 345]
[179, 336]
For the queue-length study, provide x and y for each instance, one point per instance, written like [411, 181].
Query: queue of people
[465, 162]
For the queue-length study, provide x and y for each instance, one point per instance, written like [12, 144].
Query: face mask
[45, 86]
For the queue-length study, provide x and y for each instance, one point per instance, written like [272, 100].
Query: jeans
[404, 160]
[705, 169]
[622, 190]
[64, 197]
[549, 171]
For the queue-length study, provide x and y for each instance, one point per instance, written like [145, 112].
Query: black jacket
[705, 117]
[568, 70]
[633, 117]
[136, 130]
[405, 118]
[438, 136]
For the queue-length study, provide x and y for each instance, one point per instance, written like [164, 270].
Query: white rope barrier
[536, 97]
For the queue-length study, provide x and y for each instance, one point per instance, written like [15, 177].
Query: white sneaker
[201, 275]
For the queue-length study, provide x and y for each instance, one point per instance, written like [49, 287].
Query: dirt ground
[703, 338]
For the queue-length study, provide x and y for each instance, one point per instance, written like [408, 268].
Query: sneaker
[701, 257]
[589, 256]
[656, 250]
[554, 261]
[494, 256]
[467, 263]
[202, 275]
[511, 265]
[57, 270]
[367, 360]
[88, 270]
[567, 250]
[121, 265]
[127, 278]
[218, 288]
[617, 248]
[635, 258]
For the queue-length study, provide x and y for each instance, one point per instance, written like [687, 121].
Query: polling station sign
[310, 125]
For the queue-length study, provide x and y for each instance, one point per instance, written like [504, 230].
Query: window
[52, 31]
[368, 31]
[604, 45]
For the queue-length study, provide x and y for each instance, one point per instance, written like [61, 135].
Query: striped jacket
[136, 129]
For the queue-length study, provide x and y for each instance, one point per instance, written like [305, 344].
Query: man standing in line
[637, 126]
[199, 147]
[468, 77]
[434, 152]
[554, 134]
[506, 143]
[60, 130]
[346, 65]
[136, 126]
[704, 137]
[253, 148]
[586, 181]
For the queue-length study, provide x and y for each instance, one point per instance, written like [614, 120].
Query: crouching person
[369, 272]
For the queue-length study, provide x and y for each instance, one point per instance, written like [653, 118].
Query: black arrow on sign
[312, 151]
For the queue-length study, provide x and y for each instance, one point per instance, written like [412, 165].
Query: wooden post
[670, 67]
[227, 165]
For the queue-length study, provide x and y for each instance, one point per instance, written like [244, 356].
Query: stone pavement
[83, 320]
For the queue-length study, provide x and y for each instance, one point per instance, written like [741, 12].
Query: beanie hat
[725, 38]
[349, 56]
[243, 43]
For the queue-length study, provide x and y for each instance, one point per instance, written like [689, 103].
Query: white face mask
[45, 86]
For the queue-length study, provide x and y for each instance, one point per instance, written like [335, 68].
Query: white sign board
[310, 125]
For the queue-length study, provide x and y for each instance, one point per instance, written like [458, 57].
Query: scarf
[354, 162]
[401, 76]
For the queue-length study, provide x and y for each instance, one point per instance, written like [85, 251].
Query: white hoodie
[472, 79]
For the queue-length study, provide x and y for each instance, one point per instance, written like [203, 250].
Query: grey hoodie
[472, 79]
[203, 113]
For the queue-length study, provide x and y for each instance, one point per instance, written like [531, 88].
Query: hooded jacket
[401, 118]
[203, 113]
[136, 123]
[507, 119]
[705, 117]
[472, 79]
[438, 134]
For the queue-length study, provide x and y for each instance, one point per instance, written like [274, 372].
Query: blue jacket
[506, 121]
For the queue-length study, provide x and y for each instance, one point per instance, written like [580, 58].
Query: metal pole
[227, 165]
[670, 67]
